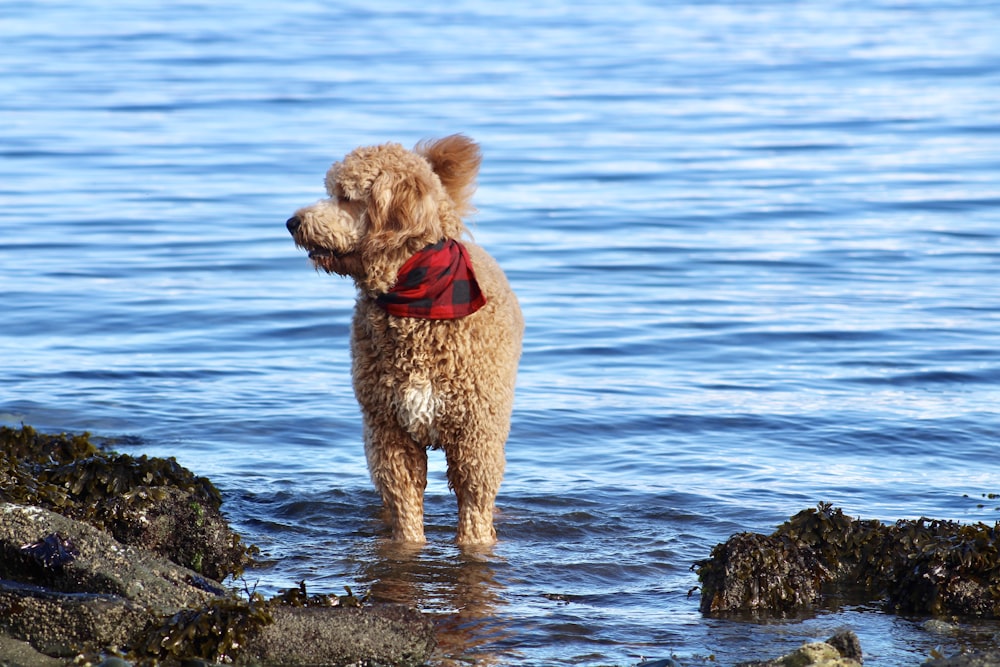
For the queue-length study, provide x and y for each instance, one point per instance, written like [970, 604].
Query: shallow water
[756, 245]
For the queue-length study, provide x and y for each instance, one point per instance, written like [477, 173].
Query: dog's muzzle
[293, 224]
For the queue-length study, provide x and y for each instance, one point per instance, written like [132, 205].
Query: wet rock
[979, 659]
[841, 650]
[847, 645]
[59, 624]
[751, 571]
[918, 566]
[68, 586]
[181, 527]
[14, 653]
[382, 635]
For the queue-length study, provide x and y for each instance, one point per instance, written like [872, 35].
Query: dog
[436, 332]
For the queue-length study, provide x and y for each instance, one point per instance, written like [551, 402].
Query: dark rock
[16, 653]
[382, 635]
[92, 548]
[59, 624]
[918, 566]
[104, 596]
[847, 645]
[180, 527]
[752, 571]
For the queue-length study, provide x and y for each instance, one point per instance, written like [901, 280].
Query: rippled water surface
[756, 244]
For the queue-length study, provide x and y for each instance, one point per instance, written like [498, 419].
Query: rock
[830, 653]
[937, 626]
[59, 624]
[751, 571]
[16, 653]
[989, 658]
[152, 503]
[662, 662]
[179, 526]
[382, 635]
[101, 565]
[69, 587]
[847, 644]
[100, 593]
[919, 567]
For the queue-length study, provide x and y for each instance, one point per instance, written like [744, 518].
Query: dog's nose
[293, 224]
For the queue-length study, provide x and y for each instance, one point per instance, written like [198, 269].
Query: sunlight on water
[755, 245]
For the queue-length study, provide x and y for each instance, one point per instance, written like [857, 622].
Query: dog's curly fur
[421, 383]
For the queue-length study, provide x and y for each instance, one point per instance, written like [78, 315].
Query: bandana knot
[437, 283]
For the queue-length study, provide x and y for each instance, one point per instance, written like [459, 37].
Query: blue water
[757, 245]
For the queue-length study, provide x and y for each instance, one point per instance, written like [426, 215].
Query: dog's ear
[455, 159]
[402, 207]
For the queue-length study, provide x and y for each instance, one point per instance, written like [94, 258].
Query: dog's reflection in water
[457, 587]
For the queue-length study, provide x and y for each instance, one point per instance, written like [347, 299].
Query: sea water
[756, 244]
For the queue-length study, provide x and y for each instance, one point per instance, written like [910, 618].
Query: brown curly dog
[436, 335]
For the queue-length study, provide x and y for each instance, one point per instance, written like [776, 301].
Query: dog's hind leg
[398, 468]
[475, 470]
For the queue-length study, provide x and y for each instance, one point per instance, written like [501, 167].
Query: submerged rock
[918, 566]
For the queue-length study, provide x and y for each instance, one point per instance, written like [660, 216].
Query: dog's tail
[455, 159]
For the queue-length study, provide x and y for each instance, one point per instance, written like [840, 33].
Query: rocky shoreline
[107, 559]
[112, 560]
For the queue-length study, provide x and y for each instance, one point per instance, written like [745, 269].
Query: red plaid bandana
[437, 283]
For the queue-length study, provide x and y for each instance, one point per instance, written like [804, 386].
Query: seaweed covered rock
[67, 587]
[149, 502]
[943, 567]
[918, 566]
[71, 589]
[752, 571]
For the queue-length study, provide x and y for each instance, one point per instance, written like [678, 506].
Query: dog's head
[386, 203]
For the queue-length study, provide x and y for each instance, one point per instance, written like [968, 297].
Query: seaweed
[215, 632]
[218, 631]
[298, 597]
[921, 566]
[752, 571]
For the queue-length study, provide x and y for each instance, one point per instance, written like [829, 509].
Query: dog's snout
[293, 224]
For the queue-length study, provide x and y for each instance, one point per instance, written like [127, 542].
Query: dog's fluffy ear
[402, 207]
[455, 159]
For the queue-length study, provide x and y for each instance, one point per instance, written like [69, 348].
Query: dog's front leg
[398, 468]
